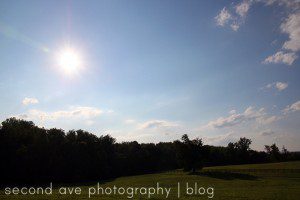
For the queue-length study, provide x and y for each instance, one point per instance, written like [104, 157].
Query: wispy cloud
[292, 108]
[26, 101]
[154, 124]
[223, 17]
[281, 57]
[267, 133]
[268, 119]
[222, 139]
[291, 4]
[291, 26]
[151, 131]
[242, 8]
[235, 26]
[280, 86]
[72, 113]
[234, 16]
[235, 119]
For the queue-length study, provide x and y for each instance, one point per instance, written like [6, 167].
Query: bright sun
[69, 61]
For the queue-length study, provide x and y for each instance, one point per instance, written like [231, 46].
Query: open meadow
[256, 181]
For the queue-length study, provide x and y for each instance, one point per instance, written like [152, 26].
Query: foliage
[33, 154]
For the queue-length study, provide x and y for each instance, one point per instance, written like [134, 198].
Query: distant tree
[231, 146]
[33, 154]
[243, 144]
[239, 151]
[284, 153]
[232, 152]
[273, 152]
[185, 139]
[190, 153]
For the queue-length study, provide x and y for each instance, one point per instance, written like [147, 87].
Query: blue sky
[153, 70]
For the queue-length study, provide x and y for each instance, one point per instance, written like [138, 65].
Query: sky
[152, 71]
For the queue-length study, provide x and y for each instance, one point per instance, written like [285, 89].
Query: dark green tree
[274, 152]
[190, 153]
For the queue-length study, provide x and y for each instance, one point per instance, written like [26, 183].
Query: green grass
[274, 181]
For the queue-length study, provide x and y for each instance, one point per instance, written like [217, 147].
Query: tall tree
[190, 153]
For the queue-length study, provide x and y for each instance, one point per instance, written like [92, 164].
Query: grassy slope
[262, 181]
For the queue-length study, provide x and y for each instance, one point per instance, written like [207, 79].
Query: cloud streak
[280, 86]
[26, 101]
[154, 124]
[267, 133]
[72, 113]
[292, 108]
[234, 119]
[223, 17]
[281, 57]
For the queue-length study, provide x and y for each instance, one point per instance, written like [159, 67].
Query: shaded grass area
[225, 175]
[278, 181]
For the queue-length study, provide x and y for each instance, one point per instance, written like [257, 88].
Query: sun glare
[69, 61]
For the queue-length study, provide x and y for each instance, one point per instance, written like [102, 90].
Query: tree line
[30, 154]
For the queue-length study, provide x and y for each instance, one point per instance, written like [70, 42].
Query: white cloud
[292, 108]
[226, 121]
[26, 101]
[268, 119]
[152, 131]
[280, 86]
[161, 127]
[222, 139]
[235, 26]
[132, 137]
[234, 18]
[223, 17]
[242, 8]
[281, 57]
[153, 124]
[238, 118]
[72, 113]
[232, 112]
[291, 26]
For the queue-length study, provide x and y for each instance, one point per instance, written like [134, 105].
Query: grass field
[275, 181]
